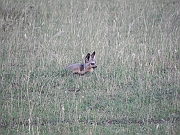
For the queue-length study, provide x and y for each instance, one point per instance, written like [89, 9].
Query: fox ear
[87, 58]
[93, 54]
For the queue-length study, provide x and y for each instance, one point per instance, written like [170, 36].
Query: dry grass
[134, 90]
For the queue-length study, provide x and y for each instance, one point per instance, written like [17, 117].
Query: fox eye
[92, 63]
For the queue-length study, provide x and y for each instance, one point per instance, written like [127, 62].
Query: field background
[134, 90]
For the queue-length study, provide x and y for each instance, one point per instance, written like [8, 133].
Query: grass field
[135, 90]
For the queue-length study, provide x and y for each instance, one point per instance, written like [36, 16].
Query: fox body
[82, 68]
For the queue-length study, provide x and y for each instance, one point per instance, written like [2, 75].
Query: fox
[82, 68]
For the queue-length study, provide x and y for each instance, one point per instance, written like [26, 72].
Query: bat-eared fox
[82, 68]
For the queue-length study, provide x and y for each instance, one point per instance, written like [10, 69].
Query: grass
[134, 90]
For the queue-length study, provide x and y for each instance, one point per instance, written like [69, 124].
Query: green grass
[134, 90]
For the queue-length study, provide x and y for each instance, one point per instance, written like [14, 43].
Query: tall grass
[134, 90]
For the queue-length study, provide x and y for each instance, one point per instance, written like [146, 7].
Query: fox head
[89, 60]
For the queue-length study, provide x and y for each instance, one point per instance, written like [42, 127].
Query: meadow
[135, 89]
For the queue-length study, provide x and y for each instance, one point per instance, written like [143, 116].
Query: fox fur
[82, 68]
